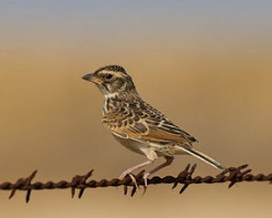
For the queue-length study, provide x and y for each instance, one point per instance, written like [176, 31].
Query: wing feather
[143, 122]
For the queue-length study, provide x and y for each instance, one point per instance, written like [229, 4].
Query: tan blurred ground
[220, 92]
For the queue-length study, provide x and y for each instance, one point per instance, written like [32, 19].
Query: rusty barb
[232, 175]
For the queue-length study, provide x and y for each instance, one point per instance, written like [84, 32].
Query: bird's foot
[132, 177]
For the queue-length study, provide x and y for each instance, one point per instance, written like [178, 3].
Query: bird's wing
[158, 122]
[145, 123]
[126, 124]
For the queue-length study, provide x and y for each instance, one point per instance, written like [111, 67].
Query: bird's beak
[88, 77]
[92, 78]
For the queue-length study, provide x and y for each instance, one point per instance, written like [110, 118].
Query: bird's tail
[202, 157]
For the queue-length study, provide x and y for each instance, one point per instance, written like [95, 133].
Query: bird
[138, 126]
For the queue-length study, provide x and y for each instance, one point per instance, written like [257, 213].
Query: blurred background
[206, 64]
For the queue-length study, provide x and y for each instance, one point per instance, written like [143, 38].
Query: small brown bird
[139, 126]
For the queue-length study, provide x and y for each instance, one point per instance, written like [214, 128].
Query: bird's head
[111, 80]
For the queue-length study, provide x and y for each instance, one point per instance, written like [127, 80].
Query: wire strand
[185, 178]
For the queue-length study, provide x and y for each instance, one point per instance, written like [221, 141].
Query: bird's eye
[108, 76]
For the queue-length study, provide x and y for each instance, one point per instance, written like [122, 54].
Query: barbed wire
[185, 177]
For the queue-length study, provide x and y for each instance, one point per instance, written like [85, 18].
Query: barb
[185, 177]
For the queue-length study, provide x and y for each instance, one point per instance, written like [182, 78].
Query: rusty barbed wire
[231, 174]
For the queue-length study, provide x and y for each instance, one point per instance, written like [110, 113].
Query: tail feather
[202, 157]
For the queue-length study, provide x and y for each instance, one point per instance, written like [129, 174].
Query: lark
[137, 125]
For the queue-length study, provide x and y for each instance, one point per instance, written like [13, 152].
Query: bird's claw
[133, 179]
[145, 179]
[141, 175]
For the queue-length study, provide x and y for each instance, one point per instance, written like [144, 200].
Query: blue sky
[98, 23]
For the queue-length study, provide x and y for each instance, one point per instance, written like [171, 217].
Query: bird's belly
[131, 144]
[161, 150]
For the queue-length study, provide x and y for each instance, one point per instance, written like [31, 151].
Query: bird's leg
[131, 169]
[168, 161]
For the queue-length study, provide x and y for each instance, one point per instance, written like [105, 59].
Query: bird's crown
[113, 68]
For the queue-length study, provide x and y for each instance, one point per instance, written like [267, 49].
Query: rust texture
[231, 175]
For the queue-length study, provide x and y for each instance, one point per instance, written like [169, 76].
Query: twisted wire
[185, 177]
